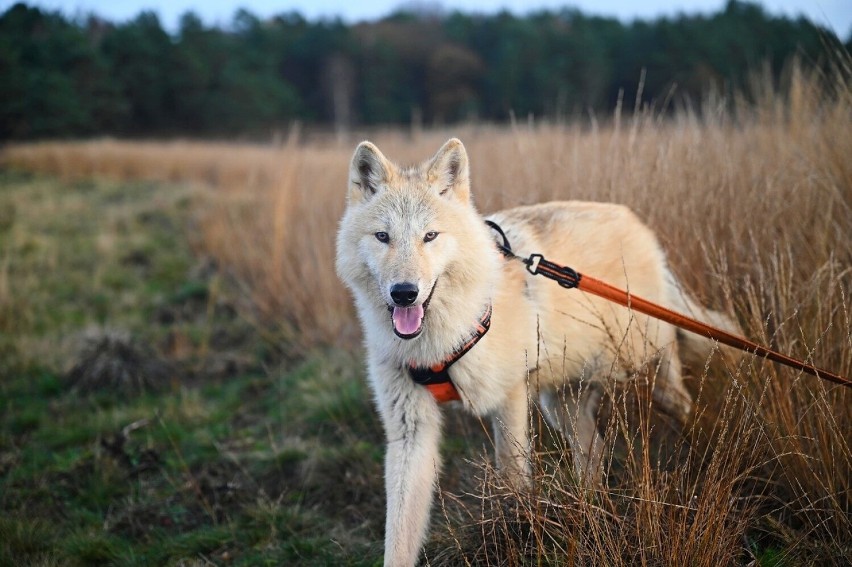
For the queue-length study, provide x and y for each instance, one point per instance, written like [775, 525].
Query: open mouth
[408, 321]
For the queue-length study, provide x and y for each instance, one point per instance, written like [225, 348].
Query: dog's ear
[368, 172]
[449, 171]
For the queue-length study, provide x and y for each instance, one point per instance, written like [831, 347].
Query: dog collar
[436, 378]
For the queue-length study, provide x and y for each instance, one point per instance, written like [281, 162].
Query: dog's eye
[430, 236]
[382, 237]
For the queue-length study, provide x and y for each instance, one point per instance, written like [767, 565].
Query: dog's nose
[404, 294]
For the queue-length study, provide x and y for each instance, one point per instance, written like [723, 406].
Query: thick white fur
[559, 343]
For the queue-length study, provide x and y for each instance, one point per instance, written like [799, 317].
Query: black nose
[404, 294]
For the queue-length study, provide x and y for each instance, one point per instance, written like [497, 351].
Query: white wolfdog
[424, 269]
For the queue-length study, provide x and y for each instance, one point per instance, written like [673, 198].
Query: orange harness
[436, 378]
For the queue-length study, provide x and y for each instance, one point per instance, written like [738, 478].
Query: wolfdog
[429, 281]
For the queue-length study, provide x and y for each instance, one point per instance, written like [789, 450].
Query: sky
[834, 14]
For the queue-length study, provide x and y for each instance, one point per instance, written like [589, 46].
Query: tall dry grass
[753, 202]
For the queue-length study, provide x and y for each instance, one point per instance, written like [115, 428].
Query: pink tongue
[406, 320]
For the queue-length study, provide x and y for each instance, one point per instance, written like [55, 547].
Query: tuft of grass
[25, 538]
[115, 363]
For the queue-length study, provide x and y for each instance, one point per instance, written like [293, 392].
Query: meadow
[229, 421]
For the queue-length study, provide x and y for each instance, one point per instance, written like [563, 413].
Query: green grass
[235, 457]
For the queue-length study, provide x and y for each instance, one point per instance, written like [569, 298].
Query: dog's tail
[696, 349]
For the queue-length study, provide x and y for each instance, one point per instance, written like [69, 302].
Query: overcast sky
[834, 14]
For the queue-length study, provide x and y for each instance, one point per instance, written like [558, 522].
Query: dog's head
[404, 229]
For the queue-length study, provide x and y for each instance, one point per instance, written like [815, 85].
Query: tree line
[62, 77]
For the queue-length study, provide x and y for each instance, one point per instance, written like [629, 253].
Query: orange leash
[569, 278]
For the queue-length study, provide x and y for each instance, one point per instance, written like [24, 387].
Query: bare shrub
[115, 363]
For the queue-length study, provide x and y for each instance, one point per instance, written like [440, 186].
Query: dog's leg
[669, 390]
[511, 436]
[413, 427]
[573, 410]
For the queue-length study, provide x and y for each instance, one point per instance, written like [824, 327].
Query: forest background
[253, 78]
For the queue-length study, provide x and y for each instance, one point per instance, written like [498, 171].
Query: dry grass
[753, 202]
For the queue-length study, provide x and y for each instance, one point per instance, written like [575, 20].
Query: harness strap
[436, 378]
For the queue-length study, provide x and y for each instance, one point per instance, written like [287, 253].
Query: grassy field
[181, 379]
[145, 422]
